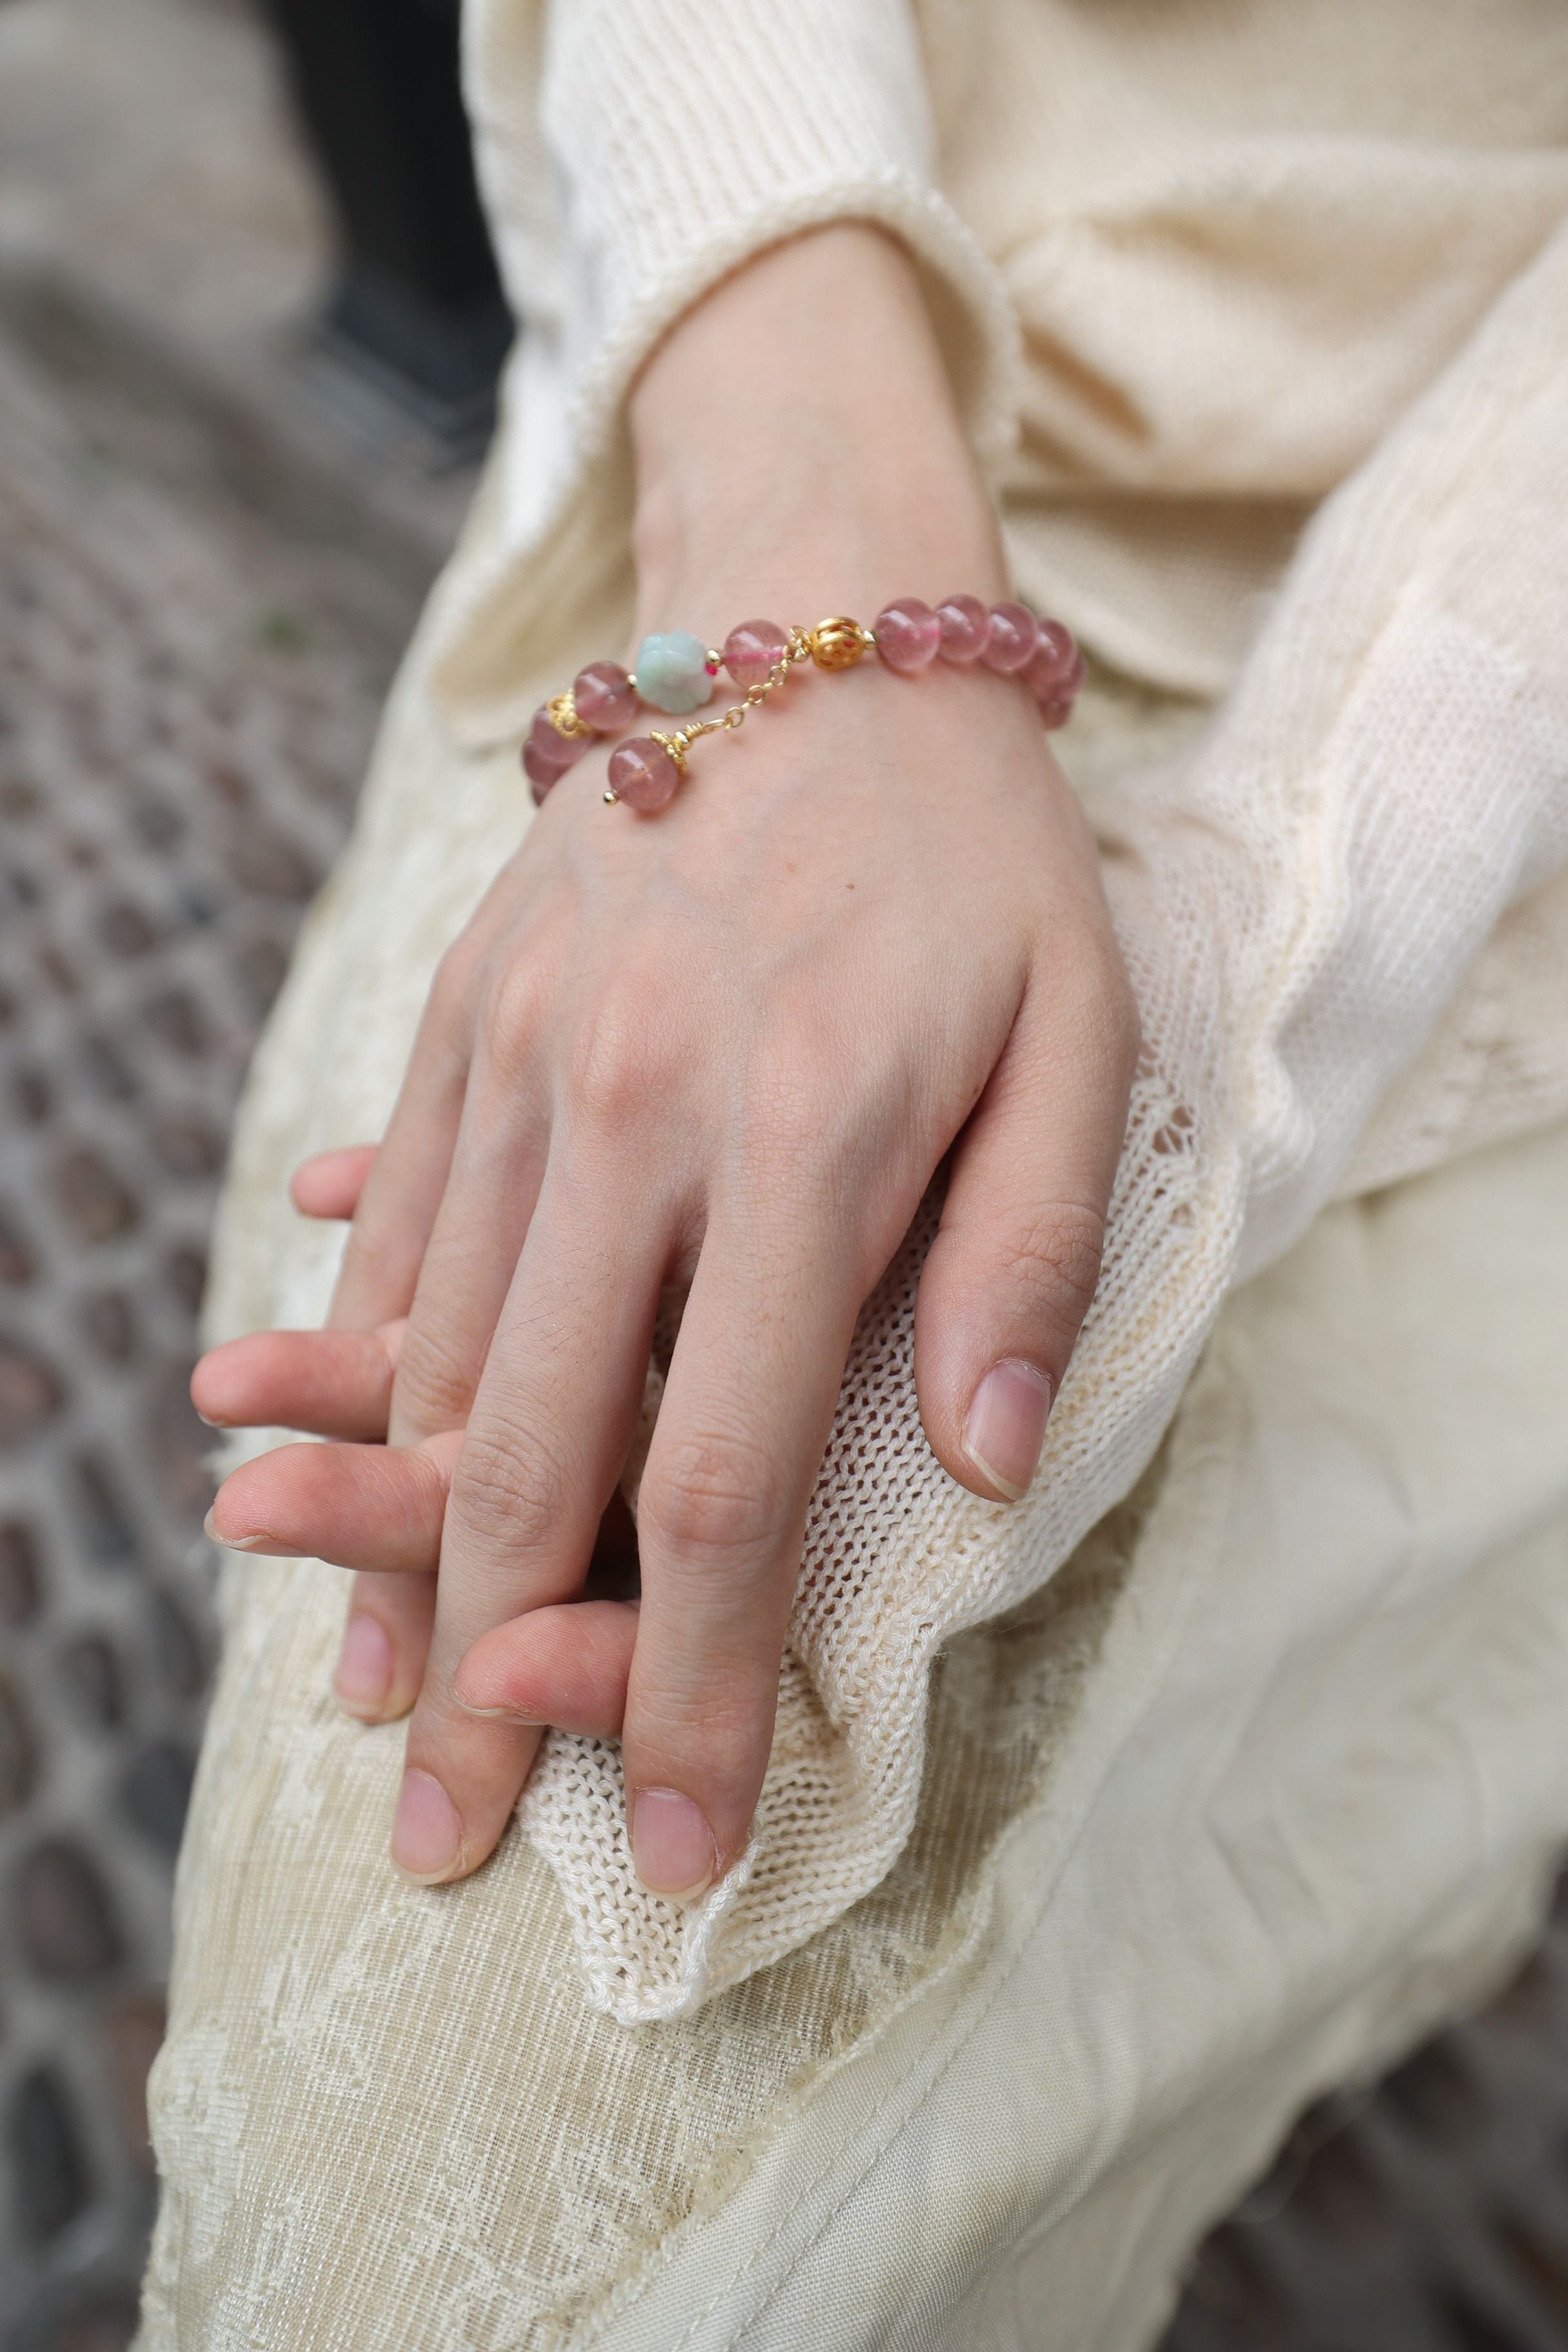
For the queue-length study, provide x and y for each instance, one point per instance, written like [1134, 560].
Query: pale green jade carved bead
[672, 672]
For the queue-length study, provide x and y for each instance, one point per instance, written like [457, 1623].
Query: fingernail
[672, 1845]
[1006, 1425]
[426, 1836]
[363, 1675]
[254, 1542]
[488, 1713]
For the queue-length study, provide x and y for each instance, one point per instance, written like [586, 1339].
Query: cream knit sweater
[1260, 314]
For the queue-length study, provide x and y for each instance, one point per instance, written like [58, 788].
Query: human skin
[726, 1047]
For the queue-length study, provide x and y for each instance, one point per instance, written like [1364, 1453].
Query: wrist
[797, 444]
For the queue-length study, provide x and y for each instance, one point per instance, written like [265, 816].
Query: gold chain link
[836, 643]
[797, 648]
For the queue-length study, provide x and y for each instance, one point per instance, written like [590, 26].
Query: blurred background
[250, 332]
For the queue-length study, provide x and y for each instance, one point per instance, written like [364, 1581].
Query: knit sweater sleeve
[630, 153]
[686, 134]
[1300, 898]
[1305, 896]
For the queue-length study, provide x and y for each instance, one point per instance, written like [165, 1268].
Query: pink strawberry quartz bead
[541, 778]
[750, 652]
[907, 635]
[1012, 638]
[1051, 664]
[547, 753]
[966, 624]
[643, 774]
[603, 697]
[552, 749]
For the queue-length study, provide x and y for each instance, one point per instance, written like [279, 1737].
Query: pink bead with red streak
[1048, 668]
[751, 651]
[552, 749]
[907, 635]
[1012, 638]
[604, 698]
[547, 753]
[542, 777]
[643, 774]
[966, 624]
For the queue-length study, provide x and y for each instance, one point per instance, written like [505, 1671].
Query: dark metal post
[418, 299]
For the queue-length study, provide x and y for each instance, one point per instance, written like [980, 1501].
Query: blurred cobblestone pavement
[185, 705]
[187, 693]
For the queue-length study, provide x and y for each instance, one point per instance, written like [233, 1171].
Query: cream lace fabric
[1295, 897]
[1266, 1780]
[1342, 896]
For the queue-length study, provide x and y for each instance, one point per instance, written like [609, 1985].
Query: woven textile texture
[1265, 1782]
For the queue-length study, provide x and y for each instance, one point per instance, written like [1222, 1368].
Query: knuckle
[1104, 1015]
[509, 1023]
[711, 1496]
[452, 987]
[508, 1491]
[706, 1714]
[786, 1119]
[619, 1062]
[1124, 1027]
[1050, 1270]
[374, 1253]
[435, 1386]
[802, 1123]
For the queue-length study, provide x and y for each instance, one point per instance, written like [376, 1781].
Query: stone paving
[185, 705]
[1431, 2216]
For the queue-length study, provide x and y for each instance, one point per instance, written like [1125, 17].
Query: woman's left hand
[726, 1047]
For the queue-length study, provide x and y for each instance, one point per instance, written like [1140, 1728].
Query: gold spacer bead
[675, 745]
[562, 715]
[839, 643]
[610, 798]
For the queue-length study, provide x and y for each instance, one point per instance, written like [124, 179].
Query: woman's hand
[725, 1048]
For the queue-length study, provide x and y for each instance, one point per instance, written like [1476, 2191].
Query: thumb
[1015, 1262]
[329, 1185]
[567, 1663]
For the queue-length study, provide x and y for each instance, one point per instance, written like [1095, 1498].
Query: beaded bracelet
[675, 673]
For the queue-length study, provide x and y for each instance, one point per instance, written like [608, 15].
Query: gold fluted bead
[839, 643]
[562, 711]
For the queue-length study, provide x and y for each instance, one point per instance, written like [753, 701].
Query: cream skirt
[1267, 1781]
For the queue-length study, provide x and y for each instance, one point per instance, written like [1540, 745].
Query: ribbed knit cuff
[682, 136]
[686, 129]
